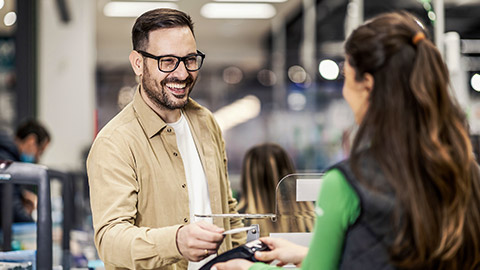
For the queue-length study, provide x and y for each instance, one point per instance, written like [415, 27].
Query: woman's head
[384, 56]
[397, 85]
[263, 166]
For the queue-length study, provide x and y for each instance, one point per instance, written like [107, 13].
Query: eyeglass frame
[180, 59]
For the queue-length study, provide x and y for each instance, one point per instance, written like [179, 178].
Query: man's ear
[136, 60]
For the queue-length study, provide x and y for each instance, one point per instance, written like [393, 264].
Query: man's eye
[192, 59]
[168, 61]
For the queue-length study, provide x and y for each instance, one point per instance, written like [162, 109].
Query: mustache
[187, 81]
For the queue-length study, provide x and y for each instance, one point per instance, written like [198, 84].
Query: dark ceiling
[462, 16]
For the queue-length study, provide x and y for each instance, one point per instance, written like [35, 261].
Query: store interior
[271, 74]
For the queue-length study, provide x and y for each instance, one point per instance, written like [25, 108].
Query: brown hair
[418, 135]
[156, 19]
[263, 167]
[32, 126]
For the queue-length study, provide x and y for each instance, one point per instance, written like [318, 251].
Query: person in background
[409, 195]
[263, 167]
[31, 140]
[161, 160]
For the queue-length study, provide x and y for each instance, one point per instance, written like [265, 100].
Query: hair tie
[419, 36]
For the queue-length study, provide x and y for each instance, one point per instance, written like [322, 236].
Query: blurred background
[271, 72]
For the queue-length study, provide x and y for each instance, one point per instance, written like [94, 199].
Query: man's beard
[159, 95]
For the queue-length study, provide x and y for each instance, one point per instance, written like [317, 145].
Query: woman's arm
[337, 207]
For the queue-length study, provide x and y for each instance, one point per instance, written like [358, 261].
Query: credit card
[237, 230]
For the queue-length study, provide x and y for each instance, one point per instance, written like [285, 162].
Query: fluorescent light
[257, 1]
[238, 112]
[237, 11]
[133, 9]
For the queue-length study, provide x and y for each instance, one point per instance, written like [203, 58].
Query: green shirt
[337, 208]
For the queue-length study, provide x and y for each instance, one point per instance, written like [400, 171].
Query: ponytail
[419, 136]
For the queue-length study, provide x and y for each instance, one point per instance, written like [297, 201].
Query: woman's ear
[136, 60]
[368, 82]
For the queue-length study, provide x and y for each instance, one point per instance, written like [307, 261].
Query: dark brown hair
[419, 136]
[156, 19]
[263, 167]
[32, 126]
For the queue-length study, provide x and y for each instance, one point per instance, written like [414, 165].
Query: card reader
[246, 251]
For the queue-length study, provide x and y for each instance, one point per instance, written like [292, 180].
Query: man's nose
[180, 72]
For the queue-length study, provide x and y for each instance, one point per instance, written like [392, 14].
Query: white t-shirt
[199, 200]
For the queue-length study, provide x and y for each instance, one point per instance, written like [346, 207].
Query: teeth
[176, 85]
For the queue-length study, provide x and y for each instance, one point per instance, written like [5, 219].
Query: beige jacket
[138, 190]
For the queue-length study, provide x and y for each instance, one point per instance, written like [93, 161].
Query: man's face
[30, 150]
[169, 90]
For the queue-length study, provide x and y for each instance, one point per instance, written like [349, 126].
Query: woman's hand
[235, 264]
[282, 250]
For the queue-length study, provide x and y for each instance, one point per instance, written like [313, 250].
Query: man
[31, 140]
[161, 160]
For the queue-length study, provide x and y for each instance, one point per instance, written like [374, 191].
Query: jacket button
[169, 130]
[185, 219]
[183, 185]
[175, 154]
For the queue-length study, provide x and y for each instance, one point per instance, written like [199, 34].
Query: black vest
[367, 240]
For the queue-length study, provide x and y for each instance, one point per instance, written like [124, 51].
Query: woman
[264, 165]
[409, 196]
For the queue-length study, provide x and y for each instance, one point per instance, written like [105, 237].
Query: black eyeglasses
[168, 63]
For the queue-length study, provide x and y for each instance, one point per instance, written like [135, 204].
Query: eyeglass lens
[170, 63]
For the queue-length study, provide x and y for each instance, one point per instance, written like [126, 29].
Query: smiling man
[161, 160]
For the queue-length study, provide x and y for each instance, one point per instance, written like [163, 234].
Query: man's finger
[210, 227]
[206, 245]
[208, 235]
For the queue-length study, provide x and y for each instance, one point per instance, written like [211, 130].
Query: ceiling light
[297, 74]
[232, 75]
[134, 9]
[238, 112]
[267, 77]
[475, 82]
[328, 69]
[237, 11]
[10, 18]
[257, 1]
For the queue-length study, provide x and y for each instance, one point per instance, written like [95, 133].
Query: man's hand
[282, 250]
[199, 240]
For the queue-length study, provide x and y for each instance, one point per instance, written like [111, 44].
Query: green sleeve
[337, 207]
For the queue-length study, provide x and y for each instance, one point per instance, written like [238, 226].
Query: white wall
[66, 80]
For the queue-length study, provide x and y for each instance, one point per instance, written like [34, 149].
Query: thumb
[265, 256]
[218, 266]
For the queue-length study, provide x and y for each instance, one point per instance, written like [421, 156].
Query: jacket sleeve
[113, 198]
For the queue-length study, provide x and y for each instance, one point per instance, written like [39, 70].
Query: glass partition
[295, 195]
